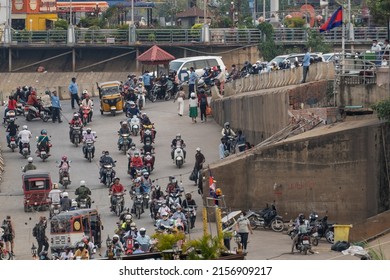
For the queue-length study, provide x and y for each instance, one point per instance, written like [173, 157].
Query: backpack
[6, 228]
[35, 231]
[203, 100]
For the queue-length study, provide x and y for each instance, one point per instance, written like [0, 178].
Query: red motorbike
[86, 114]
[129, 245]
[148, 160]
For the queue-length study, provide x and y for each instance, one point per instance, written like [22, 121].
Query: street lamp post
[31, 22]
[132, 31]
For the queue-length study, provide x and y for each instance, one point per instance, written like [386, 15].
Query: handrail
[218, 36]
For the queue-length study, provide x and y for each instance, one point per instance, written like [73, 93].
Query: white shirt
[376, 48]
[86, 103]
[67, 256]
[193, 102]
[55, 195]
[24, 136]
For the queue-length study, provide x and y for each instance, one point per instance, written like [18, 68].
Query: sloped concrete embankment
[339, 169]
[57, 81]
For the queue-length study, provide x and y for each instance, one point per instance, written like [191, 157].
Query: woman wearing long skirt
[180, 95]
[193, 105]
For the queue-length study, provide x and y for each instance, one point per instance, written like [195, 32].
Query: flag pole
[343, 42]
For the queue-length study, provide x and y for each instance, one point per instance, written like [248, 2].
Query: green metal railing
[218, 36]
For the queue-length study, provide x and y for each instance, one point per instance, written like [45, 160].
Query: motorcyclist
[55, 194]
[156, 192]
[208, 75]
[145, 121]
[164, 85]
[179, 216]
[130, 81]
[128, 228]
[65, 202]
[144, 240]
[124, 129]
[12, 130]
[234, 74]
[136, 163]
[227, 133]
[87, 103]
[189, 204]
[105, 159]
[29, 165]
[146, 182]
[81, 252]
[165, 222]
[148, 157]
[115, 188]
[24, 137]
[64, 166]
[134, 120]
[83, 192]
[140, 90]
[247, 68]
[302, 229]
[117, 246]
[32, 100]
[172, 186]
[43, 141]
[132, 110]
[88, 136]
[136, 189]
[131, 151]
[74, 205]
[75, 122]
[178, 141]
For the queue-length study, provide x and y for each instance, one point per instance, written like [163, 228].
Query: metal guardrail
[218, 36]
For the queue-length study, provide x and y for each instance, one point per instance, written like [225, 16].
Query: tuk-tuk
[111, 99]
[70, 227]
[36, 186]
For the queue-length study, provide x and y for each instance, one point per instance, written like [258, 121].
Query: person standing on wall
[305, 64]
[243, 228]
[192, 80]
[74, 92]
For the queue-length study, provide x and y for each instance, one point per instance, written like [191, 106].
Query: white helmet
[85, 91]
[82, 183]
[25, 127]
[30, 159]
[128, 217]
[74, 203]
[65, 194]
[198, 149]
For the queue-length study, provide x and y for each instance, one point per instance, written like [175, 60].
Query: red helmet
[64, 158]
[215, 68]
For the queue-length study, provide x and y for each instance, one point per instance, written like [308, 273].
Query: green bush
[295, 22]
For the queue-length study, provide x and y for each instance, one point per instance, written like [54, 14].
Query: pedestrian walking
[74, 92]
[243, 228]
[193, 107]
[192, 80]
[56, 107]
[305, 64]
[39, 232]
[199, 160]
[180, 96]
[203, 103]
[8, 234]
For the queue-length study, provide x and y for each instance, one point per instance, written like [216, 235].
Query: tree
[267, 46]
[380, 12]
[316, 42]
[382, 109]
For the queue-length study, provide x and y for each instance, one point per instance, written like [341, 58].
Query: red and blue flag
[334, 21]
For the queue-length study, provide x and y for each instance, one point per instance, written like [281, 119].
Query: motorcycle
[266, 218]
[154, 207]
[4, 253]
[42, 153]
[190, 213]
[25, 150]
[64, 178]
[148, 160]
[138, 204]
[134, 124]
[13, 143]
[129, 245]
[109, 174]
[89, 149]
[303, 245]
[140, 99]
[157, 91]
[178, 156]
[146, 200]
[321, 228]
[118, 203]
[173, 200]
[151, 95]
[32, 112]
[76, 135]
[83, 203]
[9, 116]
[126, 141]
[86, 115]
[20, 108]
[55, 209]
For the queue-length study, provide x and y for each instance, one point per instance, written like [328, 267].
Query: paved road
[263, 244]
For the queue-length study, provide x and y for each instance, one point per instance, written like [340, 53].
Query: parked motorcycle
[321, 228]
[32, 112]
[266, 218]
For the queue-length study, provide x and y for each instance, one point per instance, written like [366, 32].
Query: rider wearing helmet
[88, 136]
[83, 192]
[146, 181]
[228, 133]
[116, 188]
[136, 164]
[65, 202]
[87, 103]
[144, 240]
[29, 165]
[81, 252]
[117, 245]
[75, 122]
[124, 129]
[178, 142]
[188, 205]
[64, 166]
[24, 137]
[132, 109]
[55, 194]
[172, 186]
[105, 159]
[43, 141]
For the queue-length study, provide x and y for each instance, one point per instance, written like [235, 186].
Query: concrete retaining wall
[339, 168]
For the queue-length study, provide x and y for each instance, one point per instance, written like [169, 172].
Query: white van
[198, 62]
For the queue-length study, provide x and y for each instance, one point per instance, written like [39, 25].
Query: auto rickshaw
[36, 187]
[70, 227]
[110, 96]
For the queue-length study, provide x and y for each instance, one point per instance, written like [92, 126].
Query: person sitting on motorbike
[148, 157]
[64, 166]
[87, 137]
[43, 142]
[105, 159]
[173, 186]
[117, 246]
[179, 216]
[136, 163]
[156, 192]
[81, 252]
[247, 68]
[75, 122]
[227, 133]
[65, 202]
[132, 110]
[164, 222]
[12, 129]
[140, 90]
[83, 192]
[130, 80]
[178, 141]
[164, 85]
[189, 204]
[87, 103]
[123, 130]
[32, 100]
[302, 229]
[146, 182]
[128, 228]
[134, 120]
[136, 189]
[55, 194]
[29, 165]
[131, 151]
[74, 205]
[208, 75]
[147, 137]
[144, 240]
[24, 138]
[116, 188]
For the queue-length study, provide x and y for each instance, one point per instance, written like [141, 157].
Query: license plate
[305, 242]
[315, 234]
[65, 179]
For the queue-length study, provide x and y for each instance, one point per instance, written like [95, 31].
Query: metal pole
[70, 14]
[204, 11]
[132, 12]
[264, 9]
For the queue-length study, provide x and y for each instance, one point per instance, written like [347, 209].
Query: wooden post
[205, 231]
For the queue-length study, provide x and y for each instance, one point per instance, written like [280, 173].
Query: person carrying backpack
[203, 103]
[9, 234]
[40, 235]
